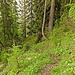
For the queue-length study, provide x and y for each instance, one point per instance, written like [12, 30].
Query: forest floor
[46, 70]
[53, 57]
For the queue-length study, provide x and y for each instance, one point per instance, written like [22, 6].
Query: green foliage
[28, 62]
[3, 56]
[65, 67]
[31, 60]
[66, 50]
[8, 23]
[36, 63]
[71, 11]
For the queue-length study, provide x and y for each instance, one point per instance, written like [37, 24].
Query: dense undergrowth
[31, 58]
[67, 53]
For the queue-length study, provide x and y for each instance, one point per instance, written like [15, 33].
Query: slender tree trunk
[51, 15]
[31, 18]
[24, 24]
[43, 26]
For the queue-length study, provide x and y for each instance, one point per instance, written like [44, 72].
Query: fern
[71, 11]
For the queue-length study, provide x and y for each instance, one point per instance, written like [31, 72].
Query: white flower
[73, 39]
[35, 57]
[29, 58]
[68, 64]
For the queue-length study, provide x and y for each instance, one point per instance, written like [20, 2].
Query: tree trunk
[24, 24]
[51, 15]
[43, 26]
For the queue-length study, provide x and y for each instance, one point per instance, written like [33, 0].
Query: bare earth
[46, 70]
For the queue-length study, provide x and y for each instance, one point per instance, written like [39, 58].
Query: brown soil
[47, 69]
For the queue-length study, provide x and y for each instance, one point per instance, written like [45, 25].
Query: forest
[37, 37]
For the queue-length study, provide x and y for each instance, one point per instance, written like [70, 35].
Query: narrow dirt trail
[46, 70]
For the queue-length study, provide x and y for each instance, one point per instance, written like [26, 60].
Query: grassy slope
[32, 58]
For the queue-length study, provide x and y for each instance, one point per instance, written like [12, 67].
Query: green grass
[33, 57]
[28, 63]
[67, 52]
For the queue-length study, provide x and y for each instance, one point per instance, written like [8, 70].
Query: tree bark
[51, 15]
[24, 24]
[43, 26]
